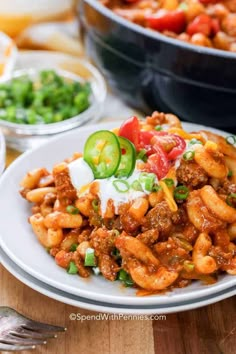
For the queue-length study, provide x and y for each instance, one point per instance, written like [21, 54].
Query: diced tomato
[158, 163]
[63, 258]
[215, 26]
[208, 1]
[145, 141]
[204, 24]
[201, 24]
[130, 130]
[178, 149]
[161, 147]
[165, 20]
[172, 144]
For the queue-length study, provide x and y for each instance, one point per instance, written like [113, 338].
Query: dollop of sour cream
[82, 175]
[107, 191]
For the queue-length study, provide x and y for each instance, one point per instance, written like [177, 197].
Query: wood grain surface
[209, 330]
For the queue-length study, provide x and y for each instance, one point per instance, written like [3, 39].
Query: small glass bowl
[2, 153]
[25, 136]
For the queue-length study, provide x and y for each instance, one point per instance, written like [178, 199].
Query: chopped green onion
[116, 232]
[95, 205]
[188, 155]
[45, 99]
[174, 260]
[121, 186]
[72, 268]
[156, 188]
[144, 175]
[231, 139]
[142, 155]
[149, 184]
[169, 182]
[181, 192]
[125, 278]
[158, 128]
[90, 260]
[189, 266]
[72, 210]
[183, 6]
[122, 275]
[116, 253]
[96, 270]
[231, 199]
[73, 247]
[195, 141]
[148, 179]
[136, 185]
[184, 243]
[230, 174]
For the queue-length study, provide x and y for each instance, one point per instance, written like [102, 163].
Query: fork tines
[20, 333]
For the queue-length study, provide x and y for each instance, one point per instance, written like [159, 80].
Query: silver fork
[18, 332]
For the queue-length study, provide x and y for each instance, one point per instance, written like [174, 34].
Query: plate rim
[51, 292]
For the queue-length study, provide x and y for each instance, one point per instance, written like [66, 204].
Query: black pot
[154, 72]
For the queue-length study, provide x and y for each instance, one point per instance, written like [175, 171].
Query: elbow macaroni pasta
[160, 241]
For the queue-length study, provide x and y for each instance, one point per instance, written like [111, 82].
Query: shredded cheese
[211, 146]
[169, 197]
[184, 134]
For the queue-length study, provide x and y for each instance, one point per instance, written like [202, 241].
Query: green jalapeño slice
[128, 158]
[102, 153]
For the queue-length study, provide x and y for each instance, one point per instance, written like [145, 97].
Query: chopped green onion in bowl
[45, 99]
[23, 136]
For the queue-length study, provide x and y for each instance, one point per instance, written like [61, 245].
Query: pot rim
[156, 35]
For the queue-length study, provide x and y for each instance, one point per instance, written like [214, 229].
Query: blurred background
[45, 34]
[41, 24]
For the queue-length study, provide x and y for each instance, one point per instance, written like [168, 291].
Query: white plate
[20, 244]
[103, 306]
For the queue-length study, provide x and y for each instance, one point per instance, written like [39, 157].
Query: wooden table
[209, 330]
